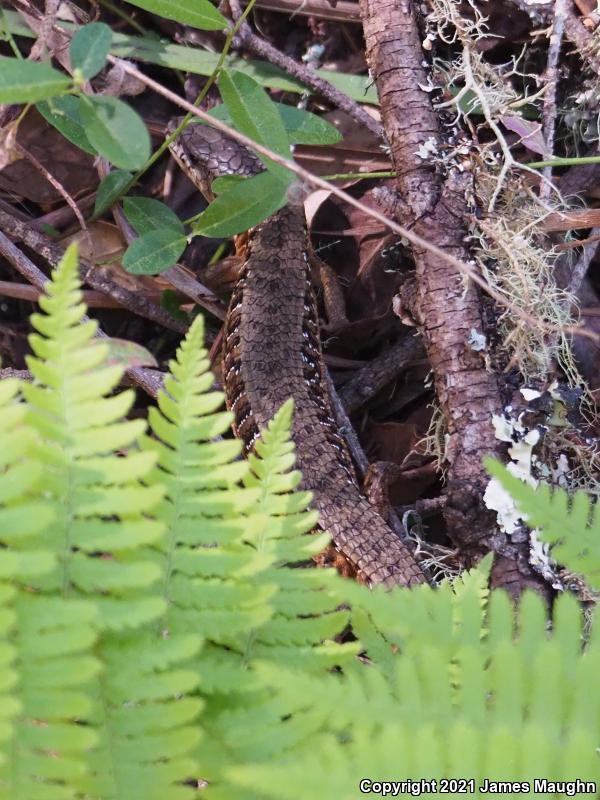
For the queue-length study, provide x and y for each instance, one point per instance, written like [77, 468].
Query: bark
[447, 309]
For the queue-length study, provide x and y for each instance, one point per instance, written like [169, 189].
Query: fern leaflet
[98, 501]
[46, 661]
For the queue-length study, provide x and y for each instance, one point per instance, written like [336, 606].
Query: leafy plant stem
[314, 180]
[205, 89]
[7, 35]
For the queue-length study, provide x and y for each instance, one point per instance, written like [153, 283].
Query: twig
[41, 49]
[61, 190]
[338, 11]
[369, 380]
[147, 379]
[347, 429]
[549, 111]
[448, 309]
[314, 180]
[21, 263]
[426, 506]
[583, 262]
[62, 216]
[355, 447]
[54, 38]
[576, 243]
[22, 291]
[97, 277]
[302, 73]
[583, 40]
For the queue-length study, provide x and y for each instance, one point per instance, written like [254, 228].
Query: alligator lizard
[272, 351]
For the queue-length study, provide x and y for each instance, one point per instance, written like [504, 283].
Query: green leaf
[302, 127]
[225, 182]
[154, 252]
[202, 62]
[64, 114]
[147, 214]
[242, 206]
[197, 13]
[50, 230]
[90, 47]
[110, 189]
[192, 59]
[171, 301]
[24, 81]
[254, 113]
[116, 131]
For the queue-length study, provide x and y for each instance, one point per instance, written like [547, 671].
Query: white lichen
[428, 149]
[477, 341]
[522, 442]
[530, 394]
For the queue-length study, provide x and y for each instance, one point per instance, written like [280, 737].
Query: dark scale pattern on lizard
[272, 351]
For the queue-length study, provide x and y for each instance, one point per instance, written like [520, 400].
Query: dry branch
[448, 308]
[259, 47]
[97, 277]
[147, 379]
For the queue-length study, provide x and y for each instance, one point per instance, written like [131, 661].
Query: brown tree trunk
[448, 309]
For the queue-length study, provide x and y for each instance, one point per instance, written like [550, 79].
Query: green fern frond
[224, 554]
[244, 722]
[204, 509]
[571, 524]
[46, 659]
[99, 531]
[46, 668]
[500, 708]
[146, 719]
[305, 617]
[45, 650]
[271, 471]
[13, 569]
[53, 641]
[22, 512]
[410, 752]
[97, 498]
[452, 616]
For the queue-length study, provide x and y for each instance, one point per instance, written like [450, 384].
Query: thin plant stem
[313, 180]
[197, 102]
